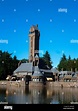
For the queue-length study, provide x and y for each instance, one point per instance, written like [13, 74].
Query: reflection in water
[38, 95]
[27, 91]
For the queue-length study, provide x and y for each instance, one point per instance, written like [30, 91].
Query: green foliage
[24, 60]
[68, 64]
[7, 64]
[42, 63]
[63, 63]
[45, 61]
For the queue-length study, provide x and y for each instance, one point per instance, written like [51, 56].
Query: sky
[57, 21]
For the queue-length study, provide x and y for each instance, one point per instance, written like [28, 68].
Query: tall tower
[34, 35]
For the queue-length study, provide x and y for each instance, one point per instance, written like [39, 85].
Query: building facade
[31, 69]
[34, 35]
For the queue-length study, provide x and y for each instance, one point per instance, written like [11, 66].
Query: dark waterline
[38, 95]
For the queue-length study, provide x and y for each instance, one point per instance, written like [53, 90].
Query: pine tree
[47, 59]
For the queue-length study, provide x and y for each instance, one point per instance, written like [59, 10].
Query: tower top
[33, 28]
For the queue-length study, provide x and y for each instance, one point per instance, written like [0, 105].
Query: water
[38, 95]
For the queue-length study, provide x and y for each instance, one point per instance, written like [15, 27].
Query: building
[55, 74]
[48, 74]
[28, 68]
[24, 69]
[34, 35]
[37, 75]
[31, 69]
[68, 76]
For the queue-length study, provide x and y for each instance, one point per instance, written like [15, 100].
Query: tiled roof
[54, 70]
[37, 72]
[45, 70]
[76, 72]
[24, 67]
[65, 72]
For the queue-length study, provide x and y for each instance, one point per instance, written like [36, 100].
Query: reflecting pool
[38, 95]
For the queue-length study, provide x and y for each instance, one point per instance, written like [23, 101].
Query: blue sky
[57, 21]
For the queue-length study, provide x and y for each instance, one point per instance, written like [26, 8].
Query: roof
[37, 72]
[76, 72]
[54, 70]
[65, 72]
[46, 70]
[24, 67]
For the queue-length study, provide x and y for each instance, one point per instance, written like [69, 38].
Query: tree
[47, 59]
[24, 60]
[69, 58]
[7, 64]
[77, 63]
[63, 63]
[42, 63]
[74, 64]
[14, 64]
[64, 58]
[69, 63]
